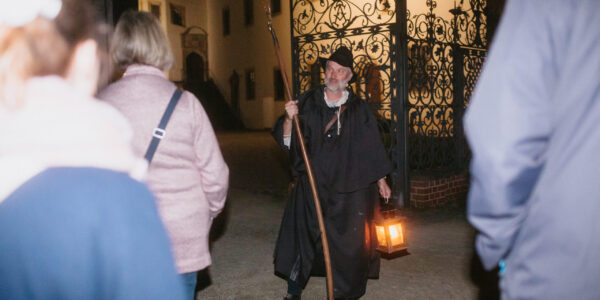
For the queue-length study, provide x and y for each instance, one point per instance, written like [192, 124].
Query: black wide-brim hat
[342, 56]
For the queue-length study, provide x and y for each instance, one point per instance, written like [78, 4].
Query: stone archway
[195, 52]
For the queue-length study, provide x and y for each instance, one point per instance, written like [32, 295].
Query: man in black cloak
[349, 165]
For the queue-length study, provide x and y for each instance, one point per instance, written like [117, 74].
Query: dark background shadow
[217, 230]
[486, 281]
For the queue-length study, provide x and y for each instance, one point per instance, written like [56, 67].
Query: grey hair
[139, 39]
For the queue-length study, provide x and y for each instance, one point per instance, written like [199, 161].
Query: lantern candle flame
[390, 234]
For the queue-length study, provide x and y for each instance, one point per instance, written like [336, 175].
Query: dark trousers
[293, 288]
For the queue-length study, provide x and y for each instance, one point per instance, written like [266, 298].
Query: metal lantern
[391, 234]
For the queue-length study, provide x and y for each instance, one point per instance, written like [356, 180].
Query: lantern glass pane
[381, 236]
[396, 235]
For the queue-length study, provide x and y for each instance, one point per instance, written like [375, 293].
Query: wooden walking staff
[311, 178]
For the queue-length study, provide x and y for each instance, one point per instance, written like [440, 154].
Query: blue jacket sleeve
[508, 124]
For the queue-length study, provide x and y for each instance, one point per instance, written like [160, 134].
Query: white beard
[336, 87]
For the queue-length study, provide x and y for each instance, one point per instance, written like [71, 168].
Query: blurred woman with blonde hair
[187, 173]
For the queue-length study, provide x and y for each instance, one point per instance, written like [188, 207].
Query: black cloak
[346, 168]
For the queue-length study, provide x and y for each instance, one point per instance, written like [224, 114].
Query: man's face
[336, 76]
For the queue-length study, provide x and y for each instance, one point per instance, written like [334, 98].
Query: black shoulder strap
[159, 132]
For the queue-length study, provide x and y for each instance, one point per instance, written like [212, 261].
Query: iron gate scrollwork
[322, 26]
[417, 72]
[444, 60]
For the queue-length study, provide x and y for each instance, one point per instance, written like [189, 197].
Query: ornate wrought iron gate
[416, 71]
[444, 60]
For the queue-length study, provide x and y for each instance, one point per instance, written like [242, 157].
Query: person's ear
[84, 67]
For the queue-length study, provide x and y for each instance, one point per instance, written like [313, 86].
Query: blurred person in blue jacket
[74, 223]
[533, 130]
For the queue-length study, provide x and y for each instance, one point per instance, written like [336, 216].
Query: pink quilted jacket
[188, 174]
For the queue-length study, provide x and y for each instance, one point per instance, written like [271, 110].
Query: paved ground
[439, 266]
